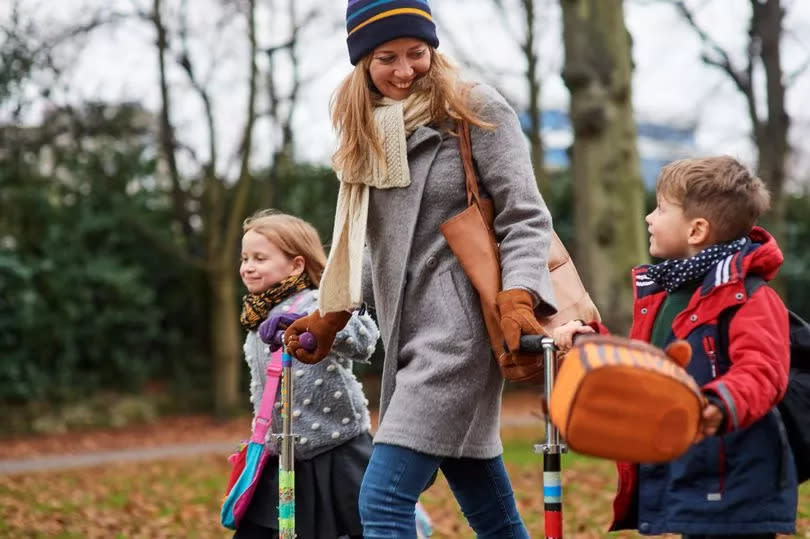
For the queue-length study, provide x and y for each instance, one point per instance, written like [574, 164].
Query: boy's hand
[710, 421]
[564, 335]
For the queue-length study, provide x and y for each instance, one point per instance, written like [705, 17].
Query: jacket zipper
[708, 346]
[721, 464]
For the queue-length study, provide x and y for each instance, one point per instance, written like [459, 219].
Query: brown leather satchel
[471, 237]
[627, 400]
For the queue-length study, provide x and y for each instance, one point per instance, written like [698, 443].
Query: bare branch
[184, 60]
[798, 72]
[722, 59]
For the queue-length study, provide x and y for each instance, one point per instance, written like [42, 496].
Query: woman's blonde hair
[294, 236]
[353, 109]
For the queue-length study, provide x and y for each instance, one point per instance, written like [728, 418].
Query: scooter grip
[308, 341]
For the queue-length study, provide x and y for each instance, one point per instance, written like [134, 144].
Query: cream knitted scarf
[396, 120]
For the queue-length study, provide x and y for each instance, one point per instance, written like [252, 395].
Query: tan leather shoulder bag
[471, 237]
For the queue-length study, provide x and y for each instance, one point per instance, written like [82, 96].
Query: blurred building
[658, 143]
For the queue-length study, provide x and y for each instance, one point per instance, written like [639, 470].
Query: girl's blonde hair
[353, 109]
[294, 236]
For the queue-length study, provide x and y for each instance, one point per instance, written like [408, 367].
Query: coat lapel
[392, 233]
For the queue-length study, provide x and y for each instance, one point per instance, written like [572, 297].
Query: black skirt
[326, 492]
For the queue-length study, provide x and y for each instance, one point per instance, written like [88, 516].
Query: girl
[282, 263]
[401, 177]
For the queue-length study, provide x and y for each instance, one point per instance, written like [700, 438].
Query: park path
[176, 438]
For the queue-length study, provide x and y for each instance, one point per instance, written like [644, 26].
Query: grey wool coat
[441, 388]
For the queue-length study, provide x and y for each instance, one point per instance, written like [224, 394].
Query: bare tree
[222, 201]
[282, 107]
[769, 129]
[213, 196]
[527, 41]
[608, 189]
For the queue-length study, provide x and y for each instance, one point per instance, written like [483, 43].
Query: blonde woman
[401, 177]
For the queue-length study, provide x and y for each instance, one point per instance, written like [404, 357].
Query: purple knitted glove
[272, 329]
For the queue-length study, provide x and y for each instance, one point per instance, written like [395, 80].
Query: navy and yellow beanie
[370, 23]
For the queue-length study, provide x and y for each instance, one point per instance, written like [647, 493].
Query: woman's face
[396, 65]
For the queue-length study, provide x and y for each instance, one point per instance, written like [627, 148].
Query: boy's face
[669, 231]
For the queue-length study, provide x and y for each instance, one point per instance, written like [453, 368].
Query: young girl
[397, 115]
[282, 263]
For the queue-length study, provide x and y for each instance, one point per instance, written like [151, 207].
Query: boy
[738, 480]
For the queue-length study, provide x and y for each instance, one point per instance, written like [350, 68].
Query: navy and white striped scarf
[674, 273]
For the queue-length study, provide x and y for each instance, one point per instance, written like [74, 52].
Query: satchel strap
[465, 147]
[264, 418]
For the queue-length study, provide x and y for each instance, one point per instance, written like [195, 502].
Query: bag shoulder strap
[752, 283]
[465, 147]
[264, 417]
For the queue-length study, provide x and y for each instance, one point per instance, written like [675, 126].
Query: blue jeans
[396, 476]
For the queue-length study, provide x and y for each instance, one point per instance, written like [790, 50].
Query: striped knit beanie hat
[370, 23]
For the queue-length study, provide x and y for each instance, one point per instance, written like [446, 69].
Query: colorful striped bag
[626, 400]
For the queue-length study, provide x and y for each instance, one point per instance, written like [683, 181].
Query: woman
[401, 177]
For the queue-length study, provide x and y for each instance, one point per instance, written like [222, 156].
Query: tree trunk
[608, 189]
[222, 251]
[771, 136]
[535, 106]
[226, 345]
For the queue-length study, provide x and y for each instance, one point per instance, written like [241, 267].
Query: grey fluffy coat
[329, 407]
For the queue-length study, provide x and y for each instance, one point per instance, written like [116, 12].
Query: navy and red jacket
[741, 480]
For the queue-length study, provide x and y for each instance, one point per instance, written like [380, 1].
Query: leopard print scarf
[256, 306]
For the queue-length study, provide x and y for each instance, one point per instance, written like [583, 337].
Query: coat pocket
[456, 306]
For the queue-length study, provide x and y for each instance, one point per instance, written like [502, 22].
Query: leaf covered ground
[180, 497]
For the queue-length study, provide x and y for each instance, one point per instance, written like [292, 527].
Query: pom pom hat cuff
[370, 23]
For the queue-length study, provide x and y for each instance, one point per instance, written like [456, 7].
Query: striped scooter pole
[552, 450]
[286, 466]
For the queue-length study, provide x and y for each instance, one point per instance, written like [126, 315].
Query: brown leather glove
[517, 318]
[324, 328]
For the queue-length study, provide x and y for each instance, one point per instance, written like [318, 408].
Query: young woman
[401, 175]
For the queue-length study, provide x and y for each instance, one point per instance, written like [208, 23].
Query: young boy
[738, 480]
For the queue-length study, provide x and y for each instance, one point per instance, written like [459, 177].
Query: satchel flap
[558, 254]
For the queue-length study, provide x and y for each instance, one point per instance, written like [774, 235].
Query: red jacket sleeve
[599, 328]
[759, 352]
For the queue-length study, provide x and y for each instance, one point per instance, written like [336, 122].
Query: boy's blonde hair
[353, 110]
[294, 236]
[719, 189]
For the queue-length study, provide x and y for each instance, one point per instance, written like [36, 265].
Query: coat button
[644, 310]
[693, 318]
[739, 296]
[431, 262]
[644, 526]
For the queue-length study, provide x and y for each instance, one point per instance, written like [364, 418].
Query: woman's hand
[517, 317]
[324, 328]
[564, 335]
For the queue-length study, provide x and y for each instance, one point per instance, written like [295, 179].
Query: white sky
[670, 82]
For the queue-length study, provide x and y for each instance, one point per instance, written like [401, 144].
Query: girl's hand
[564, 335]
